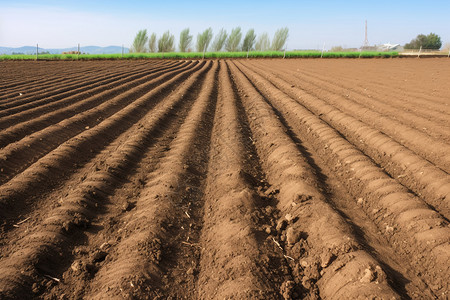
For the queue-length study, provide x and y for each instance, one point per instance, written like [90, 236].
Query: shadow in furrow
[396, 280]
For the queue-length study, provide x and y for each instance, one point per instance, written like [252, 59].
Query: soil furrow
[433, 150]
[394, 90]
[77, 104]
[66, 157]
[29, 77]
[404, 278]
[36, 86]
[15, 158]
[411, 227]
[418, 96]
[28, 93]
[59, 90]
[386, 100]
[42, 246]
[416, 173]
[81, 265]
[325, 258]
[224, 179]
[156, 228]
[236, 260]
[23, 93]
[60, 101]
[434, 127]
[387, 74]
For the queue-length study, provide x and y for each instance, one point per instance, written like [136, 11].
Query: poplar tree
[280, 38]
[234, 40]
[203, 40]
[185, 40]
[166, 42]
[152, 43]
[140, 41]
[219, 40]
[249, 40]
[263, 42]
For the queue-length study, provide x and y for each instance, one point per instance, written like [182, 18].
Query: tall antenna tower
[366, 40]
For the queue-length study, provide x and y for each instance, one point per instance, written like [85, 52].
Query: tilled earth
[243, 179]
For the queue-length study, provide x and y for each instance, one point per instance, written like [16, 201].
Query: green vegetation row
[199, 55]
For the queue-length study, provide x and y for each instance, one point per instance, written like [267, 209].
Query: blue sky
[60, 24]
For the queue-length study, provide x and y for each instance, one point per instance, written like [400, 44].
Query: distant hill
[86, 49]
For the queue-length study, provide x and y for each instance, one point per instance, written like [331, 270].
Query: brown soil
[246, 179]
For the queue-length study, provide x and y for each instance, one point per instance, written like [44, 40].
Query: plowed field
[243, 179]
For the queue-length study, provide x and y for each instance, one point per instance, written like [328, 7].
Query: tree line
[430, 41]
[231, 42]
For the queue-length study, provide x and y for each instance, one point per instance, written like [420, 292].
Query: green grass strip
[199, 55]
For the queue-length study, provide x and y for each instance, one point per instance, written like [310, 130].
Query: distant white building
[389, 47]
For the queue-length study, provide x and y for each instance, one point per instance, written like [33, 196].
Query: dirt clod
[292, 236]
[368, 276]
[287, 289]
